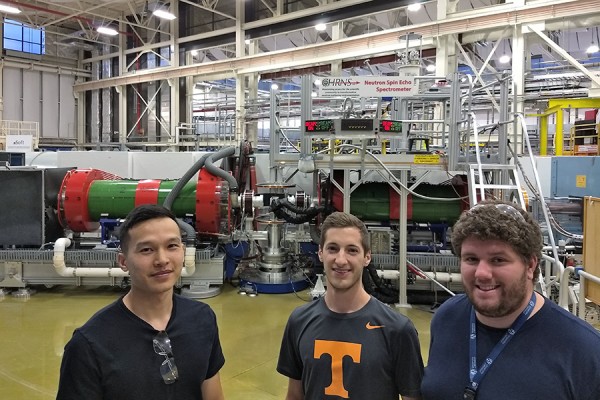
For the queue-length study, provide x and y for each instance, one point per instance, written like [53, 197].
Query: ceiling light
[414, 7]
[320, 27]
[105, 30]
[164, 14]
[317, 82]
[430, 68]
[247, 41]
[9, 9]
[274, 86]
[194, 53]
[504, 59]
[313, 94]
[592, 49]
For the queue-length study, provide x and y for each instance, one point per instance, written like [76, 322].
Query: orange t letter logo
[337, 351]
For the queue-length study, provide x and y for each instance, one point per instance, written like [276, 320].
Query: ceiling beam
[378, 43]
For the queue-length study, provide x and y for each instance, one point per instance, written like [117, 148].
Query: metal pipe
[582, 277]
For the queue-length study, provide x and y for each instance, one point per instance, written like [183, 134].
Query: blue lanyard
[475, 375]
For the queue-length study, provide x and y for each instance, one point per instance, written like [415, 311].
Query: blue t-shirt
[554, 356]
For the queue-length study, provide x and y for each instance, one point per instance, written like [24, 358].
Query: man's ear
[122, 262]
[533, 262]
[367, 258]
[320, 254]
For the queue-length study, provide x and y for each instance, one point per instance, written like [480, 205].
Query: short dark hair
[345, 220]
[486, 221]
[141, 214]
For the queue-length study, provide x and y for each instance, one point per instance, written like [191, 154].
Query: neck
[345, 302]
[506, 321]
[153, 308]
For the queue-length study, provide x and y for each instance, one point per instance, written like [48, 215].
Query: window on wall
[20, 37]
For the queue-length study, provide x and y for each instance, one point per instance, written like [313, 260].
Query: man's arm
[295, 391]
[211, 388]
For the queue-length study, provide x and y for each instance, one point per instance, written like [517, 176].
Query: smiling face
[153, 256]
[344, 258]
[496, 279]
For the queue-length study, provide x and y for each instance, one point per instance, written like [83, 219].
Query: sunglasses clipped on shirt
[162, 347]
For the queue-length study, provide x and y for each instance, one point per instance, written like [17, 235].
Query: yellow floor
[34, 331]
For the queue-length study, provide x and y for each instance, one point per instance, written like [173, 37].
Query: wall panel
[12, 93]
[32, 92]
[67, 127]
[50, 109]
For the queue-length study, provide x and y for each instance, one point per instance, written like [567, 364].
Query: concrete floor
[33, 333]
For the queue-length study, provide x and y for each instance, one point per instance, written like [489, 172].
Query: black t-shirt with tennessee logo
[372, 353]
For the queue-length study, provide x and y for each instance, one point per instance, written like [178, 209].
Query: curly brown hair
[487, 221]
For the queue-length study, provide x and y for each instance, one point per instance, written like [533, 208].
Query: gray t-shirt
[372, 353]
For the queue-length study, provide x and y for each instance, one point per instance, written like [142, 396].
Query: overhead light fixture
[414, 7]
[430, 68]
[504, 59]
[106, 30]
[194, 53]
[593, 48]
[164, 14]
[247, 41]
[320, 27]
[9, 9]
[313, 94]
[274, 86]
[317, 82]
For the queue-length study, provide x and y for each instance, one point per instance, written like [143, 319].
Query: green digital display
[388, 125]
[318, 125]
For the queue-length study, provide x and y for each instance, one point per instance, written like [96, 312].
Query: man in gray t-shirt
[348, 344]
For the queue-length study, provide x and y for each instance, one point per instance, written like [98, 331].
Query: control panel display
[357, 125]
[388, 125]
[320, 125]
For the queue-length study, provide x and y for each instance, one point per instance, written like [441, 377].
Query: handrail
[582, 277]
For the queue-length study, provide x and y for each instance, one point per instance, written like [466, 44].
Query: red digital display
[388, 125]
[319, 125]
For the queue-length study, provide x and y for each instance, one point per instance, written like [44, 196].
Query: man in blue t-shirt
[502, 340]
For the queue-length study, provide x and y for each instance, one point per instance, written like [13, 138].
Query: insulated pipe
[189, 260]
[233, 185]
[190, 249]
[439, 276]
[61, 268]
[58, 260]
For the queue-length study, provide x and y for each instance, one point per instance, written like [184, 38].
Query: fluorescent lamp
[430, 68]
[160, 13]
[504, 59]
[9, 9]
[274, 86]
[105, 30]
[414, 7]
[320, 27]
[592, 49]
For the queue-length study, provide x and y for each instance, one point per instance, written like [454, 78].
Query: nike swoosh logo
[369, 326]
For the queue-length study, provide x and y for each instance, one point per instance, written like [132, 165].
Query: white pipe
[439, 276]
[61, 268]
[564, 287]
[582, 277]
[189, 261]
[442, 276]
